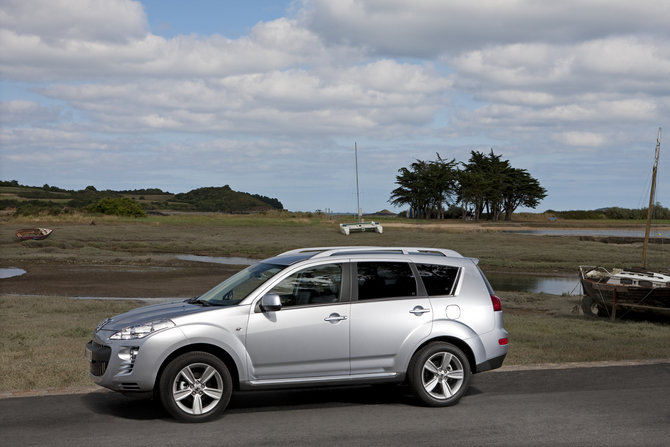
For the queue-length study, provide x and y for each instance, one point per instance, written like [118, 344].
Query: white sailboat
[346, 228]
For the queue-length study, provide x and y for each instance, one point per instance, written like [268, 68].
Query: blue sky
[233, 19]
[269, 97]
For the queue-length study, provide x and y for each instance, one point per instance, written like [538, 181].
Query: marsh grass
[265, 235]
[547, 328]
[42, 339]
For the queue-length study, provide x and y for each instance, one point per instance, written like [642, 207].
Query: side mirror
[270, 302]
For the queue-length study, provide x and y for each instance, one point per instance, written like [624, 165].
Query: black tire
[188, 398]
[439, 374]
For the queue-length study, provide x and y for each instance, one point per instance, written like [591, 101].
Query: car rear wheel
[439, 374]
[195, 387]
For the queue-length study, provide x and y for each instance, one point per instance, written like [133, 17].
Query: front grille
[98, 368]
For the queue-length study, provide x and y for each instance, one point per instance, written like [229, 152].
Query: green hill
[224, 199]
[30, 200]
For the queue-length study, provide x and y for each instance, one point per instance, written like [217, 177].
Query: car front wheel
[439, 374]
[195, 387]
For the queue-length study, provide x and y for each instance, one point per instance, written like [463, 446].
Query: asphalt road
[609, 406]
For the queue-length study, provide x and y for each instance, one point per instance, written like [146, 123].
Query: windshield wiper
[197, 300]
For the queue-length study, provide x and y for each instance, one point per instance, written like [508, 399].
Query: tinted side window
[314, 285]
[385, 280]
[438, 279]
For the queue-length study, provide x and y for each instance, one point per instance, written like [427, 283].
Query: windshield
[237, 287]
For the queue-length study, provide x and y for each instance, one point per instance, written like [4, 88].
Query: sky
[271, 97]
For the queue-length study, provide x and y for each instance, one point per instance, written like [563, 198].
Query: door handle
[418, 311]
[335, 318]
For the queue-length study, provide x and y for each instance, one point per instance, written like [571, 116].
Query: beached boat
[633, 290]
[33, 233]
[627, 290]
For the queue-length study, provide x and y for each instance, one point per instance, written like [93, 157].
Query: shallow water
[556, 285]
[10, 272]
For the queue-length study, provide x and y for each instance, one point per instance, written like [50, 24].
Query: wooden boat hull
[33, 233]
[655, 300]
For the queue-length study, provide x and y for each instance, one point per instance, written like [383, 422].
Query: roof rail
[320, 252]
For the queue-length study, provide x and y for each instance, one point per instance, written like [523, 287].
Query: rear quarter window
[438, 279]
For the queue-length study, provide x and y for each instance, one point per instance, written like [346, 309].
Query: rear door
[388, 317]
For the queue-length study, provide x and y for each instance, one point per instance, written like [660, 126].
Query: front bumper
[130, 365]
[98, 356]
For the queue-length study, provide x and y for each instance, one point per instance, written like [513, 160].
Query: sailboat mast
[651, 200]
[358, 199]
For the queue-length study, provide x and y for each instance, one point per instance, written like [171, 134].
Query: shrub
[121, 206]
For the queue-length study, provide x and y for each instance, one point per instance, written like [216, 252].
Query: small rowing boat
[33, 233]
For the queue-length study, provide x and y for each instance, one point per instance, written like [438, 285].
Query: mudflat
[177, 281]
[116, 257]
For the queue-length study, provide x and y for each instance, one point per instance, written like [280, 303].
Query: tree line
[485, 184]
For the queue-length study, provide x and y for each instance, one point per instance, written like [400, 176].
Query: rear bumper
[488, 365]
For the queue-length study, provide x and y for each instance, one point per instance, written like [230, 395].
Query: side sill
[488, 365]
[313, 382]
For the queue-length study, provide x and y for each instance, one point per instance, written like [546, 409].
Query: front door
[309, 336]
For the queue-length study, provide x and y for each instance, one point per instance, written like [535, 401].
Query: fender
[456, 329]
[231, 341]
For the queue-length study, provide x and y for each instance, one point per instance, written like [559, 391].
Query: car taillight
[503, 341]
[496, 303]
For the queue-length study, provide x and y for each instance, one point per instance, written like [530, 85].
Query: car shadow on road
[120, 406]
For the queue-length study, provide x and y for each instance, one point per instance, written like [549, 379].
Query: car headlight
[142, 330]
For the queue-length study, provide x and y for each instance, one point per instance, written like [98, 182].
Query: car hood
[144, 314]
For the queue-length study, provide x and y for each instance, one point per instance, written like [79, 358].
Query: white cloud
[570, 67]
[20, 112]
[371, 98]
[428, 28]
[582, 139]
[61, 21]
[29, 54]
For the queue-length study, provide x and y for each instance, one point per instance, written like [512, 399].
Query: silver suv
[310, 317]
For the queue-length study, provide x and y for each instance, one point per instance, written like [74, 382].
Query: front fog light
[142, 330]
[128, 353]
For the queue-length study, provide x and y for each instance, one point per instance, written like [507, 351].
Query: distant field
[136, 241]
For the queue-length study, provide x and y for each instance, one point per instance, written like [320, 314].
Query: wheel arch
[460, 344]
[216, 351]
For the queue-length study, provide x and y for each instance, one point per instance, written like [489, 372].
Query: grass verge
[42, 338]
